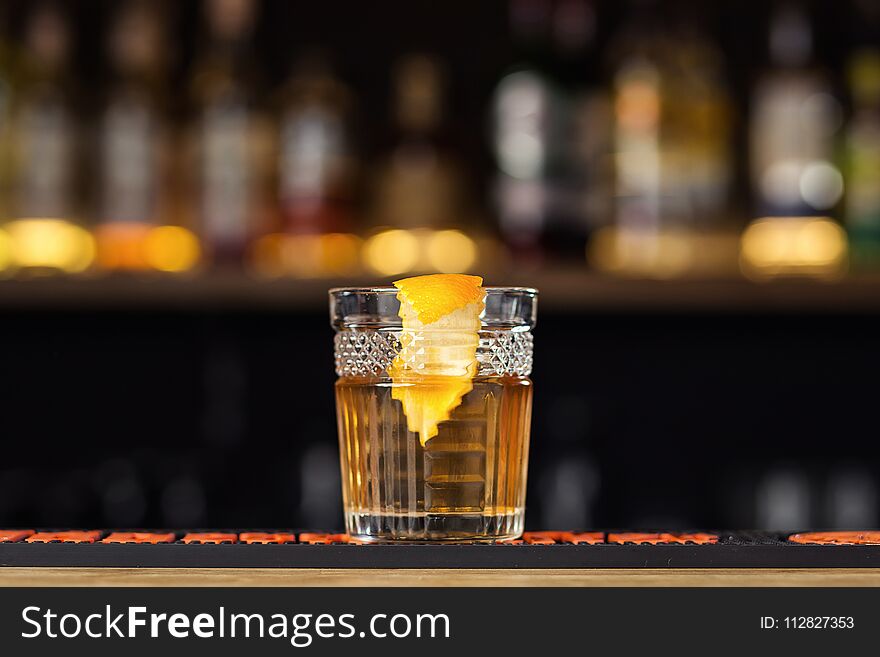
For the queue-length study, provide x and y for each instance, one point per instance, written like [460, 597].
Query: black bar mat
[536, 550]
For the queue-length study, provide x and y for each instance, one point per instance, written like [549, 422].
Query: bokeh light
[5, 250]
[267, 256]
[171, 249]
[51, 244]
[450, 251]
[306, 256]
[773, 246]
[392, 252]
[339, 253]
[821, 185]
[121, 246]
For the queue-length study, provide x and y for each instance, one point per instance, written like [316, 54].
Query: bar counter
[343, 577]
[545, 558]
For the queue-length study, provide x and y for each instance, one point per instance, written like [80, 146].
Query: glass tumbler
[469, 481]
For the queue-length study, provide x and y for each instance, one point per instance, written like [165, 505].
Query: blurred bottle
[315, 159]
[7, 83]
[44, 160]
[526, 119]
[569, 482]
[699, 118]
[797, 183]
[584, 194]
[783, 500]
[133, 132]
[863, 158]
[795, 119]
[671, 145]
[320, 495]
[642, 54]
[419, 184]
[851, 498]
[230, 138]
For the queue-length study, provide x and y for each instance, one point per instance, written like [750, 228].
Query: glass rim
[379, 307]
[390, 289]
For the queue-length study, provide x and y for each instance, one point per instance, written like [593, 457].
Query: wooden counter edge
[166, 577]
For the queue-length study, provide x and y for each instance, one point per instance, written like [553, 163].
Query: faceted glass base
[446, 527]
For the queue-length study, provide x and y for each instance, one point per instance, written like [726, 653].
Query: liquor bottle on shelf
[797, 183]
[133, 132]
[44, 172]
[315, 159]
[419, 193]
[863, 158]
[7, 83]
[862, 137]
[579, 180]
[670, 148]
[44, 161]
[418, 184]
[699, 121]
[230, 137]
[786, 153]
[313, 176]
[525, 114]
[133, 138]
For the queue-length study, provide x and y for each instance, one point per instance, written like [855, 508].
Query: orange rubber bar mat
[263, 538]
[138, 537]
[285, 548]
[661, 538]
[311, 538]
[13, 535]
[212, 538]
[554, 538]
[65, 537]
[837, 538]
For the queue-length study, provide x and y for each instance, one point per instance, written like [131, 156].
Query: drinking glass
[469, 481]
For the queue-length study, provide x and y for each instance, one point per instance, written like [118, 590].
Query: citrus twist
[437, 360]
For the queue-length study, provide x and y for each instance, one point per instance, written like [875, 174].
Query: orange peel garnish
[437, 361]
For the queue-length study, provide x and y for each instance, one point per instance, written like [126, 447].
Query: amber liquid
[467, 483]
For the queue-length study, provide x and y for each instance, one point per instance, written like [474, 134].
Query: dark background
[221, 415]
[225, 418]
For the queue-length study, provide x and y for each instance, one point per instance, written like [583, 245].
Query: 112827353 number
[818, 622]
